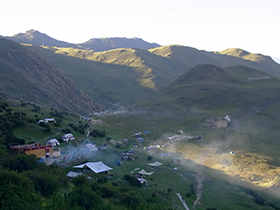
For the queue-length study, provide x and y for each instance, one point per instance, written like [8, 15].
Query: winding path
[256, 110]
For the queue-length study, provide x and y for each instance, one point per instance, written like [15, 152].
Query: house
[40, 151]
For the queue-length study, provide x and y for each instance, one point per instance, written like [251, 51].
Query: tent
[52, 142]
[97, 167]
[155, 164]
[67, 137]
[72, 174]
[145, 172]
[90, 147]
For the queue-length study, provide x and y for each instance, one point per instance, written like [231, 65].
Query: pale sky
[211, 25]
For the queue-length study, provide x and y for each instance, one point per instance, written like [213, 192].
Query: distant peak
[31, 31]
[236, 52]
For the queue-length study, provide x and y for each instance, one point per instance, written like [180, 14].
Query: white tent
[145, 172]
[73, 174]
[67, 137]
[155, 164]
[52, 142]
[97, 167]
[91, 147]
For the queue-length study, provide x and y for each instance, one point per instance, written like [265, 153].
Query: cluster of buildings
[43, 151]
[40, 151]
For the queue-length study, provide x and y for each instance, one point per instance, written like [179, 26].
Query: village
[139, 156]
[62, 153]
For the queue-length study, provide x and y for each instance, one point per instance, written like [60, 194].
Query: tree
[21, 162]
[150, 157]
[17, 191]
[85, 197]
[48, 179]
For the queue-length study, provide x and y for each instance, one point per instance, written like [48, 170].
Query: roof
[97, 167]
[155, 164]
[145, 172]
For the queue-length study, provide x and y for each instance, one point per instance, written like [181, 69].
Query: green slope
[126, 76]
[230, 57]
[249, 96]
[110, 85]
[211, 87]
[27, 76]
[153, 71]
[121, 76]
[207, 92]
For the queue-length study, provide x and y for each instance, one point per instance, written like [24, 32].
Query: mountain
[25, 74]
[212, 89]
[116, 77]
[197, 103]
[126, 76]
[230, 57]
[200, 98]
[104, 44]
[37, 38]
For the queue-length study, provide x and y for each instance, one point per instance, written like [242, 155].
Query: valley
[210, 118]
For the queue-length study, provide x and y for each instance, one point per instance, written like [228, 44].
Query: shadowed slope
[26, 73]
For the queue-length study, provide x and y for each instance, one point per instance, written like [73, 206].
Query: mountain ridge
[125, 76]
[97, 44]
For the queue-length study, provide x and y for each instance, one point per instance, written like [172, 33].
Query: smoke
[83, 150]
[120, 110]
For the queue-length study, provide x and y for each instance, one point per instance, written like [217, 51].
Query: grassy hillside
[126, 76]
[236, 52]
[207, 92]
[230, 57]
[27, 76]
[154, 72]
[110, 85]
[121, 76]
[219, 90]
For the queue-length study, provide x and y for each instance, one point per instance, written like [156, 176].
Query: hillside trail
[199, 178]
[199, 189]
[256, 110]
[88, 132]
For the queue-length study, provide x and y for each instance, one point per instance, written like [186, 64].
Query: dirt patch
[252, 167]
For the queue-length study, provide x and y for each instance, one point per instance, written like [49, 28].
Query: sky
[211, 25]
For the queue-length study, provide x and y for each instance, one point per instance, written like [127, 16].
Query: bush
[85, 198]
[132, 180]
